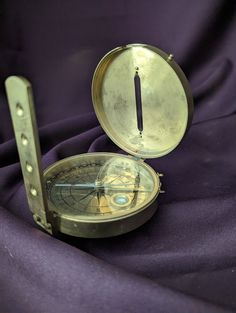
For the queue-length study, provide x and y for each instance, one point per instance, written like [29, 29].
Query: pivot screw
[170, 57]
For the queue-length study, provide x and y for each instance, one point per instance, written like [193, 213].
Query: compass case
[85, 208]
[143, 102]
[165, 100]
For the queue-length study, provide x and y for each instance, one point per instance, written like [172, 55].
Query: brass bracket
[43, 224]
[20, 99]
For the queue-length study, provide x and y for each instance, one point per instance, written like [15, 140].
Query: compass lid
[142, 100]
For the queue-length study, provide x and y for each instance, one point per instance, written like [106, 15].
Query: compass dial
[100, 186]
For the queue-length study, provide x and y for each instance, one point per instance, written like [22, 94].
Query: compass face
[100, 186]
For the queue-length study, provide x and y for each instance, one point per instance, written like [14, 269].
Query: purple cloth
[184, 259]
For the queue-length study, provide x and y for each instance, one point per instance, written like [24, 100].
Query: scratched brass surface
[166, 100]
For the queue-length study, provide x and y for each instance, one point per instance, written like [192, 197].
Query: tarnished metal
[20, 99]
[166, 100]
[143, 102]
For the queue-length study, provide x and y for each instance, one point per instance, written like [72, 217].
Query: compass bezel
[109, 224]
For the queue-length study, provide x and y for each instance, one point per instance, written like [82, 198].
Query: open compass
[143, 102]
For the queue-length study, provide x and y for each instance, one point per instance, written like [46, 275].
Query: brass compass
[143, 102]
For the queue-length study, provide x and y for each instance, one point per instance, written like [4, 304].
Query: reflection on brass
[143, 102]
[29, 167]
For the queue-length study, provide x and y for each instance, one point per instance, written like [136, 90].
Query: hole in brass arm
[19, 110]
[29, 167]
[24, 140]
[33, 191]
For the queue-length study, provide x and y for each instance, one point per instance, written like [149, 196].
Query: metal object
[167, 103]
[170, 57]
[143, 102]
[21, 106]
[101, 194]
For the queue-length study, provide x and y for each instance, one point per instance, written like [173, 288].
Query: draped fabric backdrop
[184, 258]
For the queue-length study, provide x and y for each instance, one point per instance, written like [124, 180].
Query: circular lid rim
[181, 76]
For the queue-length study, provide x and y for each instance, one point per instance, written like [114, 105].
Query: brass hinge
[47, 226]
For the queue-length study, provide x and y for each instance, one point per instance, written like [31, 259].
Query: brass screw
[170, 57]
